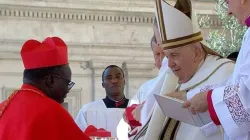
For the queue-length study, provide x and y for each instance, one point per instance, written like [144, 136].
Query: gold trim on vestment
[13, 94]
[171, 128]
[176, 132]
[187, 89]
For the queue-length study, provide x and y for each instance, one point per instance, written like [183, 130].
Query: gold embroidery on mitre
[182, 41]
[161, 20]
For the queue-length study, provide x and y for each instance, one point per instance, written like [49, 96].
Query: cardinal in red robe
[34, 112]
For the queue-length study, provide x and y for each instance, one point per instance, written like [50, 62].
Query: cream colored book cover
[172, 108]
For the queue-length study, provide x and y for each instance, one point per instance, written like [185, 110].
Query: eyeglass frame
[70, 83]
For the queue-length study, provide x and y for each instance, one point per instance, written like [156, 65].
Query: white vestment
[97, 114]
[151, 87]
[232, 102]
[212, 71]
[142, 93]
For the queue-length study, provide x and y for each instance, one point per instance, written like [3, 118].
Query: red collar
[117, 104]
[247, 21]
[28, 86]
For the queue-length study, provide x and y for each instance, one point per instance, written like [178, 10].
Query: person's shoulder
[51, 105]
[38, 101]
[92, 105]
[220, 60]
[44, 108]
[148, 83]
[222, 67]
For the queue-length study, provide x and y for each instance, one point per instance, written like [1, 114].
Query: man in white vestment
[145, 92]
[195, 65]
[106, 113]
[144, 89]
[229, 105]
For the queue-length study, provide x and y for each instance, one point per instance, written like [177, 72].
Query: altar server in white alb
[229, 106]
[145, 92]
[144, 89]
[196, 67]
[106, 113]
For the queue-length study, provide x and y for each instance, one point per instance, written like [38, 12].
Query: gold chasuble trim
[204, 80]
[170, 130]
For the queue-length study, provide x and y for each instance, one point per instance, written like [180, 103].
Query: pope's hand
[181, 95]
[197, 104]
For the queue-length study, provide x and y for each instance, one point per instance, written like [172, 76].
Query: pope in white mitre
[196, 67]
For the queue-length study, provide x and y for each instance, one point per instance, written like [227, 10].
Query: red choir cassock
[28, 114]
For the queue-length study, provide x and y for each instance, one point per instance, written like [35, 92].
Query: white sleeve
[136, 98]
[123, 130]
[81, 120]
[232, 103]
[225, 72]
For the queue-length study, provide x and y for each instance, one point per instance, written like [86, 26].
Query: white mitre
[178, 25]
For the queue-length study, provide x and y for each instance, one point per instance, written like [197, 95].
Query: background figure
[143, 91]
[146, 91]
[107, 112]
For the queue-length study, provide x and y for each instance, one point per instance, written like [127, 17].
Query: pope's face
[182, 61]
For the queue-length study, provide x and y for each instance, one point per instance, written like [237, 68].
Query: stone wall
[98, 34]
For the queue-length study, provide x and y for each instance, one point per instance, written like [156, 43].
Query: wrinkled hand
[181, 95]
[137, 112]
[197, 104]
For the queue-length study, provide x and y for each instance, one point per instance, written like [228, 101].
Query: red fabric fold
[131, 120]
[91, 131]
[211, 109]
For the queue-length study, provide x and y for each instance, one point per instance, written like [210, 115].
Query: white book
[172, 108]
